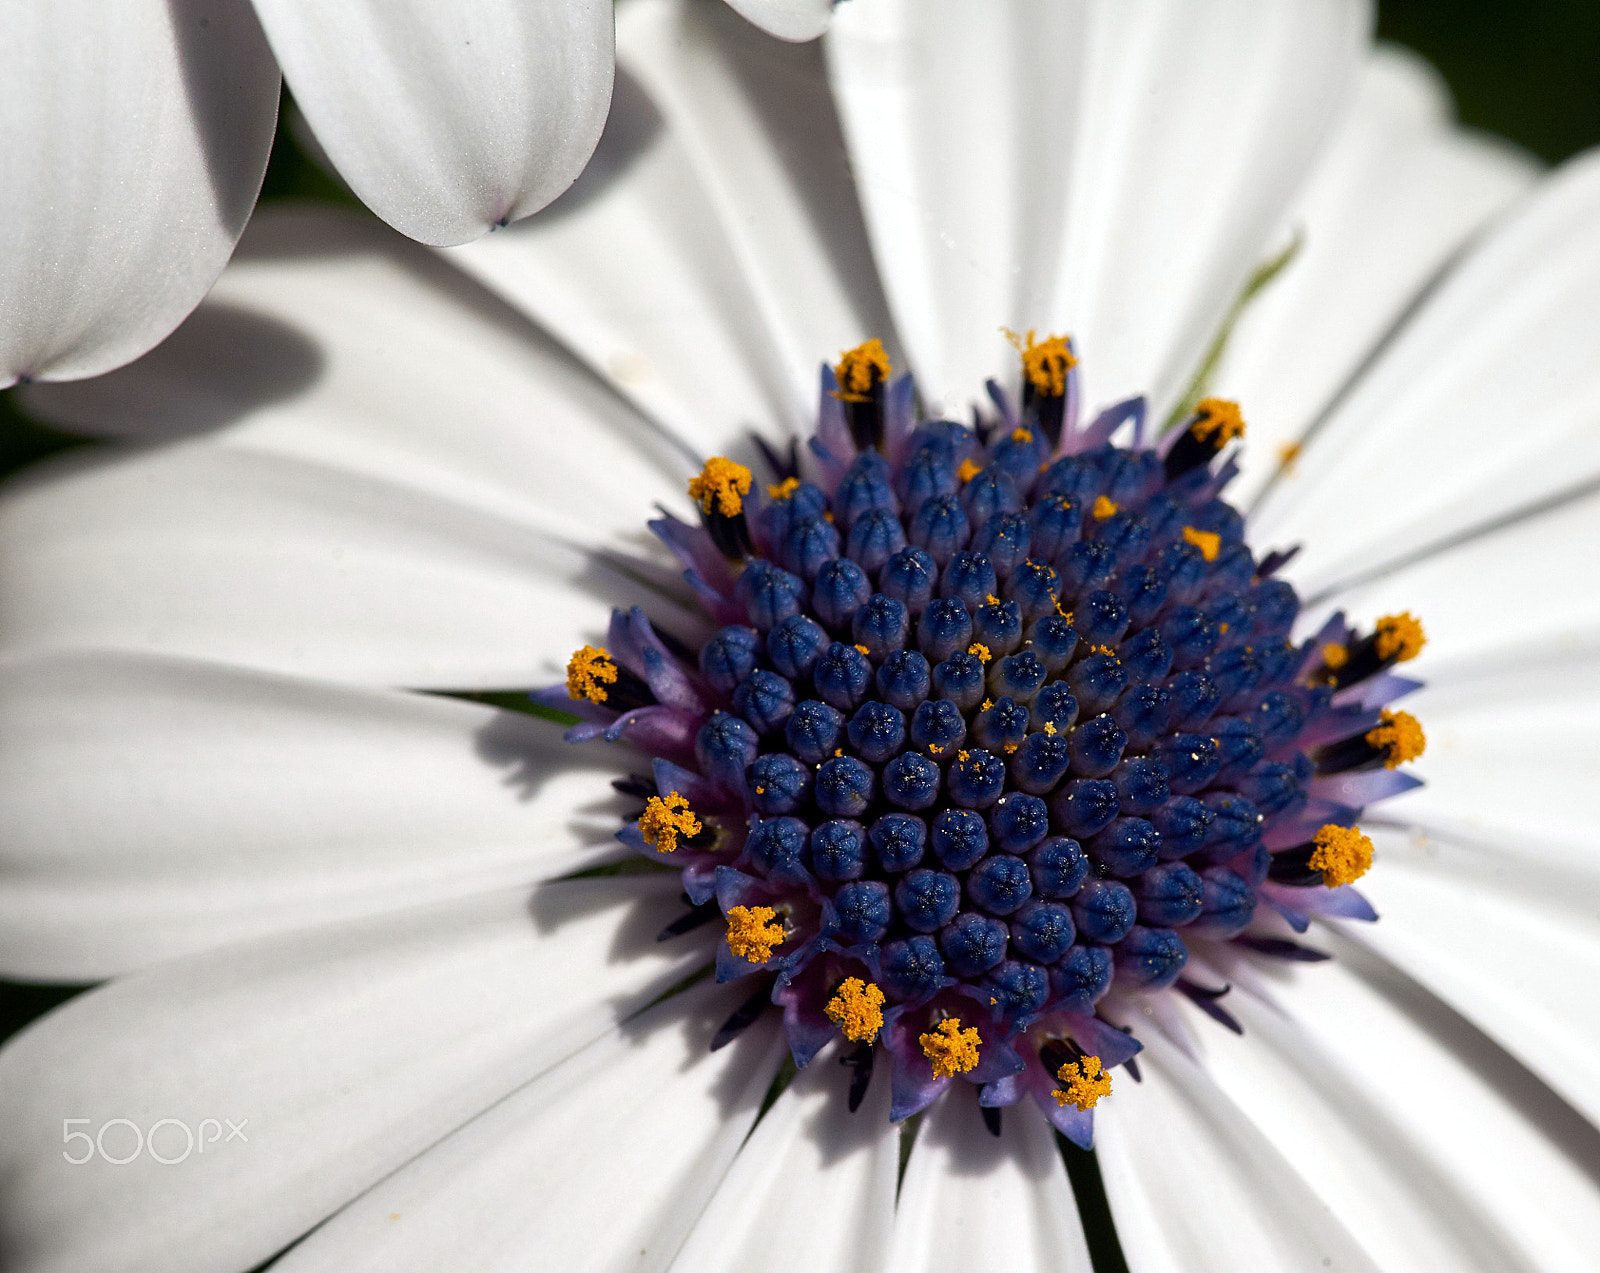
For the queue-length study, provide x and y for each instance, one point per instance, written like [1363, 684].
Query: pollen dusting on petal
[1400, 637]
[1400, 737]
[1217, 420]
[784, 489]
[1342, 854]
[1288, 453]
[752, 933]
[1084, 1081]
[859, 369]
[968, 470]
[664, 819]
[950, 1049]
[1045, 363]
[979, 651]
[1208, 543]
[857, 1009]
[721, 486]
[1103, 508]
[589, 671]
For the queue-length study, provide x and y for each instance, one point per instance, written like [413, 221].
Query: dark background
[1527, 69]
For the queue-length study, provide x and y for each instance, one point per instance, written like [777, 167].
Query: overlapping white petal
[1109, 169]
[971, 1200]
[158, 806]
[1491, 392]
[1397, 192]
[601, 1165]
[1424, 1140]
[340, 1053]
[448, 120]
[134, 134]
[1195, 1187]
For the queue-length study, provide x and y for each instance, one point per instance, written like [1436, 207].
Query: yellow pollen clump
[752, 933]
[864, 650]
[664, 819]
[1086, 1082]
[1049, 727]
[783, 489]
[1103, 649]
[989, 599]
[589, 671]
[1019, 434]
[1400, 736]
[979, 650]
[860, 369]
[1103, 508]
[1342, 854]
[1217, 420]
[961, 756]
[1208, 544]
[951, 1049]
[1045, 363]
[1400, 637]
[968, 470]
[857, 1009]
[721, 486]
[987, 704]
[1334, 656]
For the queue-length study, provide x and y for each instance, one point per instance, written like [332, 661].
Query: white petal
[1200, 123]
[788, 19]
[1195, 1186]
[341, 1053]
[1116, 178]
[598, 1166]
[1432, 1146]
[1511, 944]
[135, 134]
[632, 272]
[757, 124]
[970, 1200]
[232, 554]
[1515, 588]
[448, 120]
[332, 339]
[1484, 404]
[960, 119]
[155, 806]
[1394, 195]
[812, 1189]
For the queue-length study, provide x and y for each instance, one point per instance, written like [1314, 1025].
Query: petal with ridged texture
[1491, 391]
[135, 134]
[296, 565]
[449, 120]
[340, 1053]
[1383, 1099]
[970, 1200]
[1155, 203]
[1398, 191]
[332, 339]
[1195, 1187]
[157, 806]
[646, 1115]
[813, 1188]
[757, 123]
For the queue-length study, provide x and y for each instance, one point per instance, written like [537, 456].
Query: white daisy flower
[136, 133]
[370, 1004]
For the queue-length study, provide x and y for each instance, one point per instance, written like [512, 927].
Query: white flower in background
[134, 136]
[330, 902]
